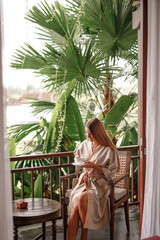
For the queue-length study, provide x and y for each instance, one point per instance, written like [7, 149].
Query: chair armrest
[64, 180]
[118, 179]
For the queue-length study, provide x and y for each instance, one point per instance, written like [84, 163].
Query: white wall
[6, 229]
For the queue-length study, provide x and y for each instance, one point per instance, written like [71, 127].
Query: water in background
[16, 114]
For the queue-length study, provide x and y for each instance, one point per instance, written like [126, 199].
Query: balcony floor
[29, 232]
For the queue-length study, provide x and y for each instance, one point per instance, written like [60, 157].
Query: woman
[89, 200]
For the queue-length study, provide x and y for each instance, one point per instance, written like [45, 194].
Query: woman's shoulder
[106, 149]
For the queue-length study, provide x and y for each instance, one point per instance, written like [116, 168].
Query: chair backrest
[124, 158]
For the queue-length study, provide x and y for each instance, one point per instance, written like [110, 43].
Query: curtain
[151, 212]
[6, 227]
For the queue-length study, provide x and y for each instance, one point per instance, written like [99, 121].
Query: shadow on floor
[30, 232]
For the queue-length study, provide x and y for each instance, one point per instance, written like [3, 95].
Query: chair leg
[64, 212]
[44, 230]
[112, 225]
[126, 209]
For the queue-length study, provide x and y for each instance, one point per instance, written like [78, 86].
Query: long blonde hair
[99, 133]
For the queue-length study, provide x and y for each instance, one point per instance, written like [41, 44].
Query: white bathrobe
[98, 210]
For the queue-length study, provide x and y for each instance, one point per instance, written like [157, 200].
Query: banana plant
[58, 120]
[74, 122]
[117, 113]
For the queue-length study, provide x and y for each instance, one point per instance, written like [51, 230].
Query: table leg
[15, 232]
[44, 230]
[54, 229]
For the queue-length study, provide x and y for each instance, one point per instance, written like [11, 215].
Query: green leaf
[40, 106]
[117, 113]
[12, 152]
[12, 148]
[37, 187]
[131, 138]
[134, 136]
[20, 131]
[111, 131]
[74, 123]
[28, 58]
[53, 19]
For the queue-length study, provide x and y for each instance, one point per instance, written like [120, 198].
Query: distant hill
[17, 96]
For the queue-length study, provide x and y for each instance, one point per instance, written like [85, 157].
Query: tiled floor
[29, 232]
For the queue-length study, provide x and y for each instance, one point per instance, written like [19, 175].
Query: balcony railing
[62, 165]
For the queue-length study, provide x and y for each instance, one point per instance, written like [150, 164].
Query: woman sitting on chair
[89, 200]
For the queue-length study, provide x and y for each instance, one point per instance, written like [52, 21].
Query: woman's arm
[111, 169]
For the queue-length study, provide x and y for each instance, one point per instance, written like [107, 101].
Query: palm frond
[54, 23]
[83, 63]
[27, 58]
[39, 106]
[20, 131]
[110, 24]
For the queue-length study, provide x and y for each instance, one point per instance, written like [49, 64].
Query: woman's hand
[89, 164]
[86, 180]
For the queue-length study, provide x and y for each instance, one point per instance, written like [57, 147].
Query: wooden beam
[143, 39]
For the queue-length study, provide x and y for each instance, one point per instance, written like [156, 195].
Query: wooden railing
[63, 161]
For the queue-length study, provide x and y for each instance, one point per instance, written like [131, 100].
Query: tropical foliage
[83, 43]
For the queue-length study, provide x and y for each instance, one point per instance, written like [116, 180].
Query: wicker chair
[119, 192]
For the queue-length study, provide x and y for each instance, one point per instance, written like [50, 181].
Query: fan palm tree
[77, 55]
[109, 24]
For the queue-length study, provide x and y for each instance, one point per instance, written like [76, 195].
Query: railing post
[22, 179]
[41, 183]
[32, 184]
[60, 187]
[51, 184]
[132, 182]
[13, 186]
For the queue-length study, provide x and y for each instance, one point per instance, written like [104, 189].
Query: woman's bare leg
[73, 221]
[84, 234]
[82, 207]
